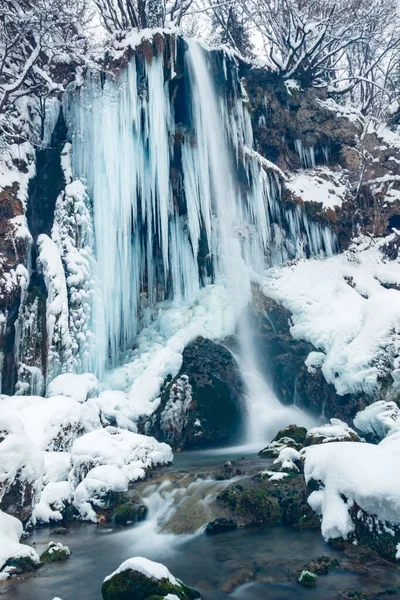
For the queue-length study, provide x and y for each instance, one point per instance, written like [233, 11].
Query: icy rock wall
[180, 197]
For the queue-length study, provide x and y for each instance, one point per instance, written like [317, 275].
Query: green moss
[260, 505]
[298, 434]
[132, 585]
[22, 564]
[129, 512]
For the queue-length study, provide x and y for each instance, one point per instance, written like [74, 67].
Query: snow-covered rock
[21, 467]
[354, 473]
[106, 460]
[142, 574]
[10, 547]
[79, 387]
[95, 489]
[53, 423]
[335, 431]
[342, 306]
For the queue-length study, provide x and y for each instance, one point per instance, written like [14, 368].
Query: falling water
[160, 240]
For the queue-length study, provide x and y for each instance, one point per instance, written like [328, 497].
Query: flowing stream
[247, 564]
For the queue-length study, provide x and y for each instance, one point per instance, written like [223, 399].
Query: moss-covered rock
[55, 552]
[319, 566]
[307, 579]
[129, 512]
[220, 526]
[142, 579]
[295, 433]
[22, 564]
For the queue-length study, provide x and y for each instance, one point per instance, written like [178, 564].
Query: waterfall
[179, 202]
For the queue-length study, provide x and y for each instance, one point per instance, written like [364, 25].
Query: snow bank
[353, 472]
[53, 423]
[378, 419]
[147, 567]
[342, 307]
[79, 387]
[10, 534]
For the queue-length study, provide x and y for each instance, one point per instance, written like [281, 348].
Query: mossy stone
[55, 553]
[129, 512]
[133, 585]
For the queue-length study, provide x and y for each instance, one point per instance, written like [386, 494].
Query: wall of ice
[180, 198]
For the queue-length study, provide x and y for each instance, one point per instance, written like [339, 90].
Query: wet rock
[60, 531]
[129, 512]
[20, 565]
[143, 579]
[55, 552]
[319, 566]
[204, 405]
[220, 526]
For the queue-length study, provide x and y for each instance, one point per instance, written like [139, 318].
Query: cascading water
[170, 215]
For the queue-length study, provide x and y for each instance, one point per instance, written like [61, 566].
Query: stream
[246, 564]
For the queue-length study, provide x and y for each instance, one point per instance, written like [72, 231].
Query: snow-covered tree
[122, 15]
[38, 38]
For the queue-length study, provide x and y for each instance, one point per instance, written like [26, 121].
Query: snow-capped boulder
[143, 579]
[105, 461]
[21, 468]
[53, 423]
[356, 490]
[79, 387]
[335, 431]
[13, 555]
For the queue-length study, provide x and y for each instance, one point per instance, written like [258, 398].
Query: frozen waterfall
[181, 200]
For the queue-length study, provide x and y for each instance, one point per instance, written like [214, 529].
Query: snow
[320, 185]
[56, 466]
[53, 423]
[79, 387]
[131, 452]
[10, 533]
[342, 307]
[353, 472]
[95, 487]
[20, 458]
[335, 431]
[287, 458]
[57, 315]
[147, 567]
[378, 419]
[52, 501]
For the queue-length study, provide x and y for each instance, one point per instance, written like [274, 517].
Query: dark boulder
[220, 526]
[203, 406]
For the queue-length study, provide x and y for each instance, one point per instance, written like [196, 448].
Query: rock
[307, 579]
[142, 579]
[220, 526]
[129, 512]
[274, 448]
[204, 404]
[55, 552]
[21, 469]
[60, 531]
[319, 566]
[335, 431]
[295, 433]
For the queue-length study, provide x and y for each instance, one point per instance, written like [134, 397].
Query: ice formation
[161, 237]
